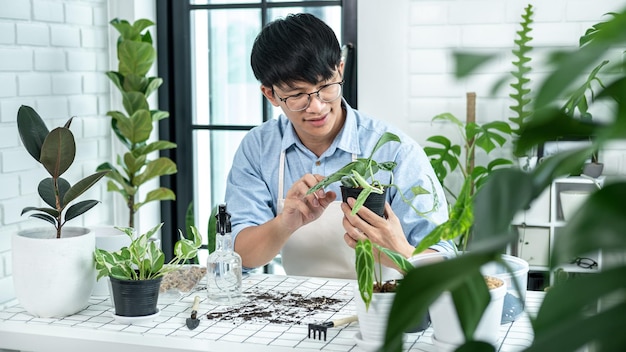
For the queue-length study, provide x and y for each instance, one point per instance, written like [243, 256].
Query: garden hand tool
[319, 329]
[193, 321]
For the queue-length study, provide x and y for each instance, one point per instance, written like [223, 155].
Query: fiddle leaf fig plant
[133, 129]
[55, 150]
[143, 259]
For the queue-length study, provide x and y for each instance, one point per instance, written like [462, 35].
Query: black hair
[299, 47]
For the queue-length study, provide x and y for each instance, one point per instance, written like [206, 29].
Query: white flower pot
[373, 322]
[110, 239]
[447, 328]
[53, 277]
[571, 201]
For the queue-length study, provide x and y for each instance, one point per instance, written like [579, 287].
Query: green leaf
[154, 146]
[155, 168]
[430, 281]
[48, 194]
[83, 185]
[153, 85]
[45, 217]
[384, 139]
[32, 129]
[365, 270]
[212, 230]
[50, 211]
[160, 193]
[58, 151]
[79, 208]
[134, 164]
[398, 259]
[134, 102]
[140, 127]
[466, 63]
[135, 57]
[134, 83]
[116, 78]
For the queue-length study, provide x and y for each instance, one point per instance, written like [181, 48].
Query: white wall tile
[7, 33]
[50, 60]
[34, 84]
[8, 88]
[78, 13]
[48, 11]
[32, 34]
[16, 60]
[65, 36]
[81, 61]
[67, 83]
[19, 10]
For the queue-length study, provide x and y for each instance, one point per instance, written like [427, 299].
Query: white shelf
[543, 222]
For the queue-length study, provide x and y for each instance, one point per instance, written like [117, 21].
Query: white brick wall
[406, 67]
[53, 55]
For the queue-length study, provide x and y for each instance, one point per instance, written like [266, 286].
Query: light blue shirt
[252, 185]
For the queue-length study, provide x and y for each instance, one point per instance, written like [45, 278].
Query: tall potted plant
[52, 267]
[134, 128]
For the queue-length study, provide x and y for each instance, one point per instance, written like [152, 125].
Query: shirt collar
[347, 139]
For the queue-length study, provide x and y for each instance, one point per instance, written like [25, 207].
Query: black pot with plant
[136, 271]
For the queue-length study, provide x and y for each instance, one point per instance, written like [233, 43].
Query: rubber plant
[55, 150]
[136, 55]
[563, 322]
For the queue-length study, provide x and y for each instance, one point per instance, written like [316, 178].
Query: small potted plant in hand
[358, 181]
[136, 271]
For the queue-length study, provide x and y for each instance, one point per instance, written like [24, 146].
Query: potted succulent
[136, 271]
[134, 128]
[563, 322]
[358, 181]
[52, 268]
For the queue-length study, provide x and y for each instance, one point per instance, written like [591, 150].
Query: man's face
[320, 121]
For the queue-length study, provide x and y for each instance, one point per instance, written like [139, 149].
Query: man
[298, 62]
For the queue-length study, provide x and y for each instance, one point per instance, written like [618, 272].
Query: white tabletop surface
[284, 328]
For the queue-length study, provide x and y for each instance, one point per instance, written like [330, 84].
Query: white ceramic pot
[373, 321]
[53, 277]
[446, 325]
[570, 202]
[514, 299]
[110, 239]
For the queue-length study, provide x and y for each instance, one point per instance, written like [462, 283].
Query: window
[211, 93]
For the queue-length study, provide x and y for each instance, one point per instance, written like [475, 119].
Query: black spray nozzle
[223, 220]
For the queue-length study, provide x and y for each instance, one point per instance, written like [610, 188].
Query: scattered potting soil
[277, 308]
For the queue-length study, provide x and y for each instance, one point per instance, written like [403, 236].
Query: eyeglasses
[325, 94]
[586, 263]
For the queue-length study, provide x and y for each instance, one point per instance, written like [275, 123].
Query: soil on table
[277, 308]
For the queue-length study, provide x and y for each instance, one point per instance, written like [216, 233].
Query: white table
[94, 329]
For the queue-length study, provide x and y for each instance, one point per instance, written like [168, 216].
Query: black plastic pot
[135, 298]
[374, 202]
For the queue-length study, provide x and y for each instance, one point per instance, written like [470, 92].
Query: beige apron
[318, 248]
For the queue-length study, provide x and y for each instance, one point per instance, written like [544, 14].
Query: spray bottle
[224, 265]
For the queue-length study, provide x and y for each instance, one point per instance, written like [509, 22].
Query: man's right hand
[300, 209]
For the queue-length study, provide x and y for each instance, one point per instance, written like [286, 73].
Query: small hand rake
[319, 329]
